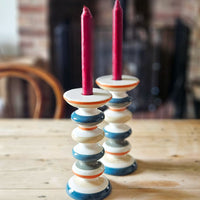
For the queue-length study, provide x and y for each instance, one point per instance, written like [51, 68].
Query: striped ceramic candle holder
[88, 181]
[116, 160]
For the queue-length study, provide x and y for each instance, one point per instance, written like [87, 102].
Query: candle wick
[117, 4]
[86, 11]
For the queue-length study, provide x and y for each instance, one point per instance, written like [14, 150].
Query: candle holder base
[82, 189]
[113, 169]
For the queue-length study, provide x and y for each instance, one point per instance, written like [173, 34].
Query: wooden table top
[36, 160]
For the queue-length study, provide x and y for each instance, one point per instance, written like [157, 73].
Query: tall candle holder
[88, 181]
[116, 160]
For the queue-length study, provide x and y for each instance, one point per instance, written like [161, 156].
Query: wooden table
[36, 160]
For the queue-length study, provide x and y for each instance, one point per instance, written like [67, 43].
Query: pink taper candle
[117, 41]
[87, 51]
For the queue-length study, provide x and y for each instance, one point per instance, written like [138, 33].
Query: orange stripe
[87, 129]
[117, 154]
[120, 109]
[117, 86]
[88, 103]
[88, 177]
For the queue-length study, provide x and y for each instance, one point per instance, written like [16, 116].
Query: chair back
[31, 74]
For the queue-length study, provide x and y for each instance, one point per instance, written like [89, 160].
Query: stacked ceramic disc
[116, 160]
[88, 181]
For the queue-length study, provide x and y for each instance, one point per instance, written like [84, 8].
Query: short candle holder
[116, 160]
[88, 181]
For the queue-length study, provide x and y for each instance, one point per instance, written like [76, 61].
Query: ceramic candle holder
[88, 181]
[116, 160]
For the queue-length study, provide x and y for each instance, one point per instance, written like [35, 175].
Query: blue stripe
[113, 135]
[88, 158]
[121, 100]
[88, 120]
[121, 171]
[94, 196]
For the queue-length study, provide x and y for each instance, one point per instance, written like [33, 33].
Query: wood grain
[36, 160]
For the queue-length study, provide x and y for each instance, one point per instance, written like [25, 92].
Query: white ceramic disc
[75, 98]
[127, 83]
[88, 185]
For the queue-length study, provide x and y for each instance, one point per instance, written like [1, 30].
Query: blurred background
[161, 47]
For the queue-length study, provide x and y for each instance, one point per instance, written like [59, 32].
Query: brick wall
[33, 28]
[34, 36]
[192, 13]
[164, 12]
[103, 10]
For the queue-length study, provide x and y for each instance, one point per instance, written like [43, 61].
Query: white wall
[8, 28]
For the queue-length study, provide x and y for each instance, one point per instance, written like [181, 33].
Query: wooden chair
[30, 73]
